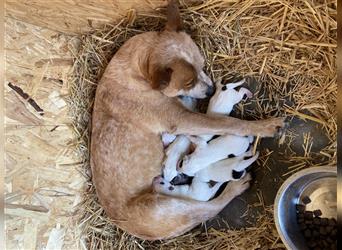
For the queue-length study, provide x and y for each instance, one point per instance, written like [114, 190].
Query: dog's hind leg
[153, 216]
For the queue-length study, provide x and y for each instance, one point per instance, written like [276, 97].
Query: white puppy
[178, 149]
[206, 154]
[224, 99]
[198, 190]
[216, 150]
[223, 171]
[221, 103]
[220, 148]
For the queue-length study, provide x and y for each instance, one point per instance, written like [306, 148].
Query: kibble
[308, 215]
[307, 233]
[324, 221]
[317, 221]
[312, 243]
[332, 222]
[320, 233]
[306, 200]
[302, 226]
[300, 208]
[317, 213]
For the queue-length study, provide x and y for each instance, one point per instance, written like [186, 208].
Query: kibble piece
[317, 221]
[300, 216]
[329, 229]
[312, 243]
[306, 200]
[324, 221]
[302, 226]
[317, 212]
[322, 231]
[308, 215]
[307, 233]
[332, 222]
[325, 243]
[308, 222]
[315, 233]
[300, 208]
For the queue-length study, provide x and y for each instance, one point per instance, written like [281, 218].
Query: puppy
[231, 169]
[221, 103]
[135, 103]
[198, 190]
[216, 150]
[224, 99]
[177, 150]
[224, 170]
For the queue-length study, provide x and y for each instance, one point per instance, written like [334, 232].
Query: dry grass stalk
[286, 47]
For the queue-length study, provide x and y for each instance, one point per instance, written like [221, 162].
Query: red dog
[135, 102]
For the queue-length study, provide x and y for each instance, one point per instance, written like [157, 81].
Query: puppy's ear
[174, 22]
[161, 77]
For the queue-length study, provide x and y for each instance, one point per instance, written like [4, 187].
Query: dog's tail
[174, 22]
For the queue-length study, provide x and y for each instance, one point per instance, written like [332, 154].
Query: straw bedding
[286, 50]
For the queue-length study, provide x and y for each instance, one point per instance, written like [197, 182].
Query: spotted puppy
[230, 169]
[223, 100]
[207, 153]
[221, 103]
[227, 169]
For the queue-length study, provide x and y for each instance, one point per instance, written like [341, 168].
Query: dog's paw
[272, 127]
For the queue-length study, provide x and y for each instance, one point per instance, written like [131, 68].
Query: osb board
[42, 182]
[75, 16]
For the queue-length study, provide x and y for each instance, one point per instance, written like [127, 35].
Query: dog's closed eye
[189, 84]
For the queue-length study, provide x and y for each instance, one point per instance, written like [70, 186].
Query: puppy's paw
[160, 185]
[240, 186]
[246, 92]
[158, 180]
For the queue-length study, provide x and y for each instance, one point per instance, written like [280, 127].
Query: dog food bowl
[317, 183]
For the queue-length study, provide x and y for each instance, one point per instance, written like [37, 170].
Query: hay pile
[287, 47]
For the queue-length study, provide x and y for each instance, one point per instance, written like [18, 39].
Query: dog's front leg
[191, 123]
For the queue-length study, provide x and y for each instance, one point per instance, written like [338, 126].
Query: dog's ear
[161, 77]
[174, 22]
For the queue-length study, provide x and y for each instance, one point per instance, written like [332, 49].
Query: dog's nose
[210, 91]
